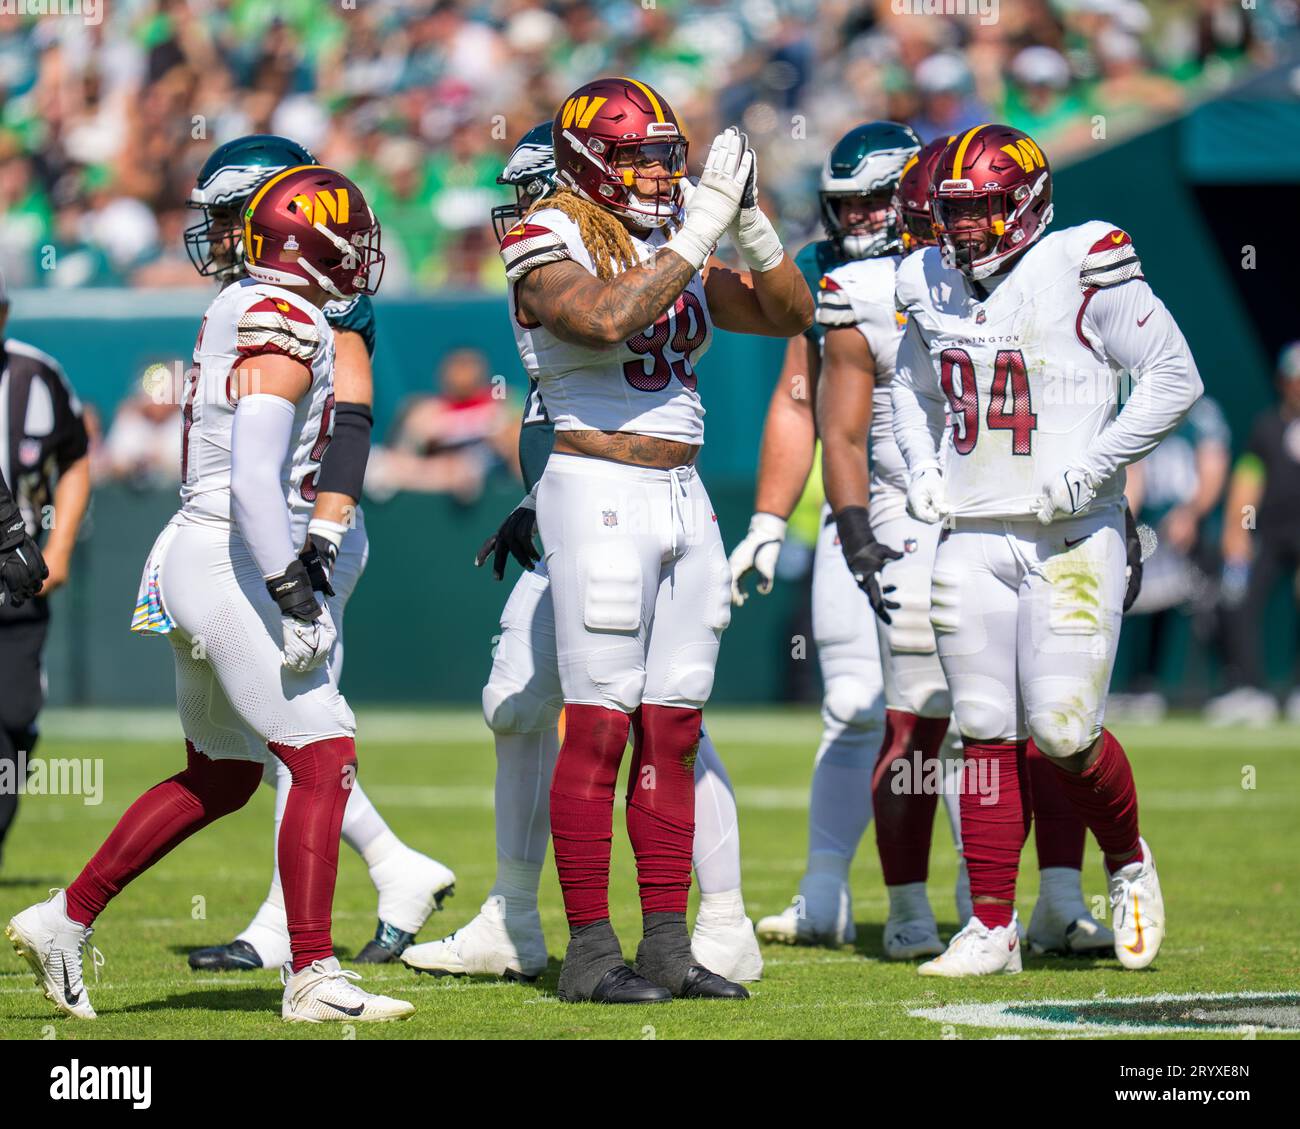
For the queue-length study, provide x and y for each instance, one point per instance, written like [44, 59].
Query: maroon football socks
[322, 773]
[900, 794]
[165, 816]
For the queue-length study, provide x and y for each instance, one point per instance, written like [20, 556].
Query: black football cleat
[237, 956]
[620, 985]
[701, 984]
[389, 943]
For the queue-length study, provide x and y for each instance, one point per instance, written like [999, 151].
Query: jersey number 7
[1008, 368]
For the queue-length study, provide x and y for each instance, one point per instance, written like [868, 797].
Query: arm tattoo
[582, 309]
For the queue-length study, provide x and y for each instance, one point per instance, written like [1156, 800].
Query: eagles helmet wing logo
[529, 160]
[230, 184]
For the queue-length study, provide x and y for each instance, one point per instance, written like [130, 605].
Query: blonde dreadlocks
[606, 240]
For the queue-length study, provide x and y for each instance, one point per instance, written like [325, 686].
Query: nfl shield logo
[979, 317]
[609, 517]
[29, 451]
[909, 545]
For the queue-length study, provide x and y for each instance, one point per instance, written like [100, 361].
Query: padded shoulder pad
[530, 245]
[277, 325]
[834, 306]
[1110, 260]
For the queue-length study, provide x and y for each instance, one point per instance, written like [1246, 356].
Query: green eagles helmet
[531, 171]
[867, 163]
[228, 178]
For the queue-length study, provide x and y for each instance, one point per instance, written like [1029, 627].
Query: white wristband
[759, 243]
[331, 531]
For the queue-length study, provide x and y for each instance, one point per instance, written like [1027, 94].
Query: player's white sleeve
[1136, 331]
[918, 403]
[259, 442]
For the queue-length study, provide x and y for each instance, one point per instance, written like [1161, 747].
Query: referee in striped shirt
[43, 461]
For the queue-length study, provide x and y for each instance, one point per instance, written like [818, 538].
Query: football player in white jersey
[226, 582]
[611, 312]
[1023, 339]
[858, 183]
[410, 885]
[885, 546]
[523, 703]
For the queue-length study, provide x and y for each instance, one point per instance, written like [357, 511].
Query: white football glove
[1067, 494]
[927, 499]
[712, 205]
[757, 553]
[752, 232]
[307, 644]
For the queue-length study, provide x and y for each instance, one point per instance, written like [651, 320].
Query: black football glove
[318, 559]
[22, 568]
[866, 557]
[1133, 550]
[292, 590]
[513, 539]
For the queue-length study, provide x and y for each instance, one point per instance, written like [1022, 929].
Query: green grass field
[1227, 856]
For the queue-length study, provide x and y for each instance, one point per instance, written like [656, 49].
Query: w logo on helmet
[1026, 154]
[331, 202]
[582, 110]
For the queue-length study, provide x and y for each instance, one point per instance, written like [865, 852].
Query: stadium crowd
[105, 124]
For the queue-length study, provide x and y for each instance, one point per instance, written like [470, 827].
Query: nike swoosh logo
[68, 994]
[1143, 321]
[353, 1011]
[1140, 947]
[1077, 541]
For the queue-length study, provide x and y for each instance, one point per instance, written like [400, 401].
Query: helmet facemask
[981, 231]
[864, 223]
[625, 165]
[215, 244]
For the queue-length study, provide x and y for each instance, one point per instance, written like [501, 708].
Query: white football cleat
[325, 993]
[978, 951]
[501, 941]
[723, 940]
[51, 942]
[411, 886]
[1137, 911]
[821, 915]
[1061, 922]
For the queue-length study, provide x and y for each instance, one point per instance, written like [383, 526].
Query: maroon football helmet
[912, 197]
[991, 197]
[308, 226]
[613, 132]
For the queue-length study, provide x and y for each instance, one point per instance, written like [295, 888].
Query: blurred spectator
[102, 128]
[1261, 548]
[1175, 489]
[447, 442]
[948, 102]
[143, 445]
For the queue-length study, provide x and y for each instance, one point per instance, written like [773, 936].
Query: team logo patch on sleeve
[1109, 262]
[834, 307]
[274, 325]
[528, 246]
